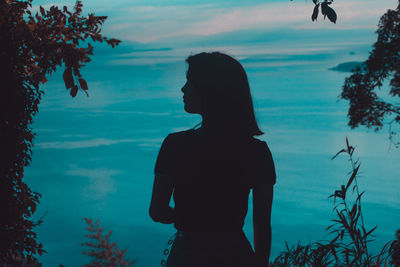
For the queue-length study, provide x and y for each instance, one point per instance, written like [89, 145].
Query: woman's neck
[215, 130]
[209, 129]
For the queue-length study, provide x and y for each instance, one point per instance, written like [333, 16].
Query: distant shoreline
[347, 66]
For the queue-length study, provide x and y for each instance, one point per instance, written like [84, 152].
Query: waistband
[199, 234]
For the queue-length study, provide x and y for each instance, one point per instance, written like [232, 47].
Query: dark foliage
[362, 87]
[351, 238]
[326, 10]
[101, 250]
[395, 250]
[32, 47]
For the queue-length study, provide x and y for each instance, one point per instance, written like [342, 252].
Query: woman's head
[218, 89]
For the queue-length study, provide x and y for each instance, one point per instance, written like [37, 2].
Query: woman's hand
[166, 216]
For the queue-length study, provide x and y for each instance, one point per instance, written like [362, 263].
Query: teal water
[94, 156]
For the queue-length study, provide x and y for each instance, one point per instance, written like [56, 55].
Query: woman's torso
[213, 178]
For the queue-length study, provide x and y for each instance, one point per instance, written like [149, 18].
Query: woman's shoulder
[259, 148]
[178, 136]
[258, 143]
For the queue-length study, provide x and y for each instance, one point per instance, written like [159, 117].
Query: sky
[150, 21]
[166, 31]
[105, 145]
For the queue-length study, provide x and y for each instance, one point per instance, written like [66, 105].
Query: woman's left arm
[160, 211]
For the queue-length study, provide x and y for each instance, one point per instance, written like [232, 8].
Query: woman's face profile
[191, 98]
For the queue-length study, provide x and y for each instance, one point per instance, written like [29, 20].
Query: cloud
[146, 23]
[92, 143]
[133, 112]
[82, 143]
[150, 23]
[137, 61]
[100, 181]
[325, 142]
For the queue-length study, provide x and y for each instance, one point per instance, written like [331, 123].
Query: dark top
[212, 178]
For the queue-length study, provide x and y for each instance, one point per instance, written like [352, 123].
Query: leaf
[83, 84]
[42, 11]
[343, 192]
[360, 195]
[353, 211]
[324, 5]
[68, 79]
[329, 227]
[74, 90]
[334, 240]
[370, 231]
[315, 2]
[353, 175]
[337, 154]
[44, 80]
[315, 13]
[358, 214]
[331, 14]
[341, 234]
[305, 252]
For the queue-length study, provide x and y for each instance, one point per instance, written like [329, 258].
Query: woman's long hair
[225, 90]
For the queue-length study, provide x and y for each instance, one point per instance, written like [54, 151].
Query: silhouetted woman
[210, 171]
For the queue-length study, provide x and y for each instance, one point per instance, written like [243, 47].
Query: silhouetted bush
[395, 250]
[361, 88]
[101, 250]
[33, 47]
[351, 238]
